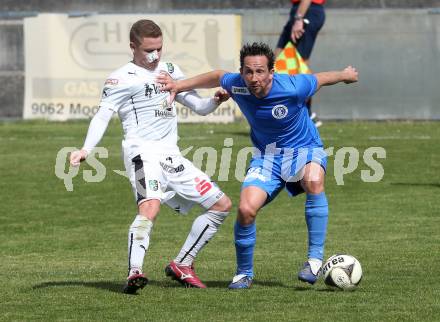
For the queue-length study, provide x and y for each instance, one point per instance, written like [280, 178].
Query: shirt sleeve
[200, 105]
[97, 128]
[191, 99]
[305, 84]
[227, 80]
[114, 94]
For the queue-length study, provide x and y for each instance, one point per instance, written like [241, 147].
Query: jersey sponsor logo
[240, 90]
[111, 81]
[202, 186]
[166, 111]
[153, 184]
[279, 112]
[170, 68]
[171, 169]
[151, 89]
[163, 114]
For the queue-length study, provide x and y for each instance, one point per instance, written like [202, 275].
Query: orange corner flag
[289, 61]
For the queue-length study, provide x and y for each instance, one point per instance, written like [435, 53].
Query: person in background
[305, 21]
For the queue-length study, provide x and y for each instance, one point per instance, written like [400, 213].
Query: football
[342, 271]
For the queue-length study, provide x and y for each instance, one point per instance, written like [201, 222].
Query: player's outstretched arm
[96, 130]
[206, 80]
[200, 105]
[347, 75]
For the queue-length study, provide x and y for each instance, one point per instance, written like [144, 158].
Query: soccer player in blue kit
[289, 152]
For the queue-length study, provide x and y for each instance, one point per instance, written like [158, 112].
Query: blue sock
[245, 237]
[316, 209]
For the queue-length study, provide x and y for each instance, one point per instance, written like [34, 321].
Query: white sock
[138, 241]
[315, 265]
[203, 229]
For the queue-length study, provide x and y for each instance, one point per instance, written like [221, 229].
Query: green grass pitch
[63, 254]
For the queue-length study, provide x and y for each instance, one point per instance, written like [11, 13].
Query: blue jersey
[281, 117]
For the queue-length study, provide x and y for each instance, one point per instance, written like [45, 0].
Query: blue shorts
[272, 173]
[316, 16]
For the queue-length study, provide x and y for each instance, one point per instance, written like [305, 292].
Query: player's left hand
[167, 84]
[221, 96]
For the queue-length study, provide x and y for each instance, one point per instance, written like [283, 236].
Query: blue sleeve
[227, 81]
[305, 84]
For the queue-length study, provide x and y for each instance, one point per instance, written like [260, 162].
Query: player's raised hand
[221, 96]
[350, 75]
[167, 84]
[77, 156]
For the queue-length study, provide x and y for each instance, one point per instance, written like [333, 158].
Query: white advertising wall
[68, 59]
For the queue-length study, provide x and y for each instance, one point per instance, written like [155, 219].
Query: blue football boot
[240, 281]
[306, 274]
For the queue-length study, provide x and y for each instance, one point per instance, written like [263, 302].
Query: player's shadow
[225, 284]
[416, 184]
[111, 286]
[313, 288]
[116, 287]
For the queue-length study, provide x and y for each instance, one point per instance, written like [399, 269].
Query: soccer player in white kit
[157, 171]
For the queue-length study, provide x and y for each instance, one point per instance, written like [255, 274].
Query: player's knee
[149, 208]
[227, 204]
[313, 187]
[223, 205]
[246, 212]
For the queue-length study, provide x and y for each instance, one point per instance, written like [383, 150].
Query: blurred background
[395, 44]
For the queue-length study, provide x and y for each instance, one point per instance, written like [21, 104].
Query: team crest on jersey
[153, 184]
[279, 112]
[240, 90]
[170, 68]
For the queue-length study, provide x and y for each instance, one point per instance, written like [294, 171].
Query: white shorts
[172, 179]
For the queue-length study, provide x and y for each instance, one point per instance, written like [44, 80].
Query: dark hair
[257, 49]
[144, 29]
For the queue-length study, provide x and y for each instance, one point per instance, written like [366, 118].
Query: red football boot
[134, 282]
[184, 275]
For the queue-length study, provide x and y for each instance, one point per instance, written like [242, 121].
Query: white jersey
[146, 117]
[150, 137]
